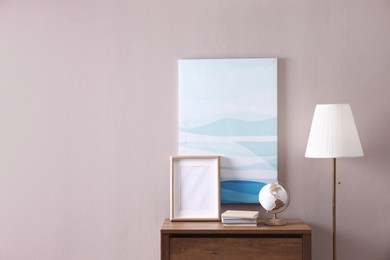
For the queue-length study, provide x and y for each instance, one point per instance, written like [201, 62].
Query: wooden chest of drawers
[213, 241]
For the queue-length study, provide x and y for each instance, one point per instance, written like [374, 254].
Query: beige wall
[88, 117]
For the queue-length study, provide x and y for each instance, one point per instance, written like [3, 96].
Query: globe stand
[274, 198]
[275, 221]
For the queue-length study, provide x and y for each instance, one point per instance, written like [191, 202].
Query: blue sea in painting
[239, 191]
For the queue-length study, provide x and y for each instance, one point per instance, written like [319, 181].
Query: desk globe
[274, 198]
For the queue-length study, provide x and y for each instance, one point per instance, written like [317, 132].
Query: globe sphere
[274, 197]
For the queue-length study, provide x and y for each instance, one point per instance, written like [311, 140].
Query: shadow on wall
[373, 127]
[322, 251]
[282, 132]
[348, 246]
[354, 247]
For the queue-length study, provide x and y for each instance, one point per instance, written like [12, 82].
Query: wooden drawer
[213, 241]
[233, 248]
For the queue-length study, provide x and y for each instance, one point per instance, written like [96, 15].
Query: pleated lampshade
[333, 133]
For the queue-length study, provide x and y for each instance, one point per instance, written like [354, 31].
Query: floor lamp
[333, 135]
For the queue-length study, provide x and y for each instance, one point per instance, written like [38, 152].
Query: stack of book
[238, 218]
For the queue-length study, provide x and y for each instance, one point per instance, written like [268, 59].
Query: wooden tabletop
[294, 226]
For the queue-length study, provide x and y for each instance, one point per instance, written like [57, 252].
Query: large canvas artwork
[228, 107]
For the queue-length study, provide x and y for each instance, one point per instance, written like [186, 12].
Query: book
[240, 225]
[239, 214]
[239, 221]
[239, 218]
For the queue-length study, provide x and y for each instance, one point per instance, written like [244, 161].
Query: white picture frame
[195, 188]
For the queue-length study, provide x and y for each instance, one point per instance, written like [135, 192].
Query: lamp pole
[334, 209]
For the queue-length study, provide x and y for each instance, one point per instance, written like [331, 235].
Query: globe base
[275, 221]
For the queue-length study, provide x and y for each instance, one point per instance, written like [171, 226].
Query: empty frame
[195, 188]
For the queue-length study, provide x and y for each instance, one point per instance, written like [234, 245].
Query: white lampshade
[333, 133]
